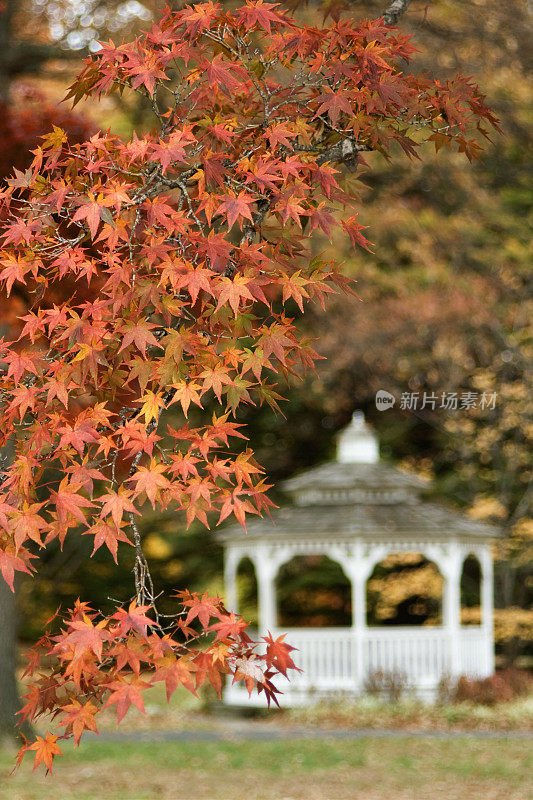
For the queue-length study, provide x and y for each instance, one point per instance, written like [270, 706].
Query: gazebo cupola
[357, 510]
[357, 444]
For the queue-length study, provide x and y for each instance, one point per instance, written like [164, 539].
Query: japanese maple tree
[186, 256]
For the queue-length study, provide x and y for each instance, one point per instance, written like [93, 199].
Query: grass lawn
[326, 769]
[186, 712]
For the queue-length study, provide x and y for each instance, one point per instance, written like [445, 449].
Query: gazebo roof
[357, 496]
[372, 521]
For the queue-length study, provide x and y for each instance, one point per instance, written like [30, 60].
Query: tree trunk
[6, 18]
[9, 695]
[23, 57]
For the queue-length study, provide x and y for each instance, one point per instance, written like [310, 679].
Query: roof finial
[358, 419]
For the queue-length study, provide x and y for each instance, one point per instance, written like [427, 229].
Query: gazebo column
[359, 600]
[359, 578]
[452, 605]
[358, 569]
[231, 562]
[266, 570]
[487, 607]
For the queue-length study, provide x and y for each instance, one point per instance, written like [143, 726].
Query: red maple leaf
[15, 269]
[195, 280]
[45, 750]
[204, 607]
[333, 103]
[90, 211]
[110, 535]
[278, 654]
[28, 524]
[236, 206]
[221, 132]
[353, 229]
[146, 72]
[80, 717]
[321, 217]
[9, 563]
[294, 286]
[199, 17]
[275, 340]
[18, 363]
[234, 291]
[175, 672]
[255, 12]
[126, 693]
[215, 379]
[150, 480]
[217, 249]
[230, 626]
[185, 394]
[116, 503]
[212, 665]
[139, 334]
[83, 475]
[279, 133]
[233, 504]
[261, 176]
[69, 503]
[133, 619]
[249, 670]
[224, 74]
[78, 435]
[84, 637]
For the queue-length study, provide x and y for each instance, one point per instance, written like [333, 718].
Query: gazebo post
[452, 605]
[359, 623]
[357, 569]
[266, 571]
[231, 562]
[487, 605]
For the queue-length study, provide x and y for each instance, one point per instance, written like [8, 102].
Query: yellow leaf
[54, 140]
[152, 404]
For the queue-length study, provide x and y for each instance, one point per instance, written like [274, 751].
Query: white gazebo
[357, 510]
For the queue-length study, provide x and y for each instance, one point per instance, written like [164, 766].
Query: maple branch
[141, 569]
[395, 11]
[263, 206]
[187, 197]
[344, 152]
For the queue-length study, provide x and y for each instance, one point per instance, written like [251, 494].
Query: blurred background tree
[36, 34]
[446, 307]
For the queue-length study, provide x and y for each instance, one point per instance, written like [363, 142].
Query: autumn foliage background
[443, 307]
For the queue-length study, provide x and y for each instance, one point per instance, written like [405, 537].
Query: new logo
[384, 400]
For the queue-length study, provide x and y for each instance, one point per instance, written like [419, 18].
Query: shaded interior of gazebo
[357, 511]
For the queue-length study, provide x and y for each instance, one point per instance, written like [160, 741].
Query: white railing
[326, 657]
[422, 655]
[341, 659]
[476, 651]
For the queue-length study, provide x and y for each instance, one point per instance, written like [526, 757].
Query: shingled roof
[357, 495]
[369, 520]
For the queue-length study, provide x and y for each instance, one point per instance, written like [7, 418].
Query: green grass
[326, 769]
